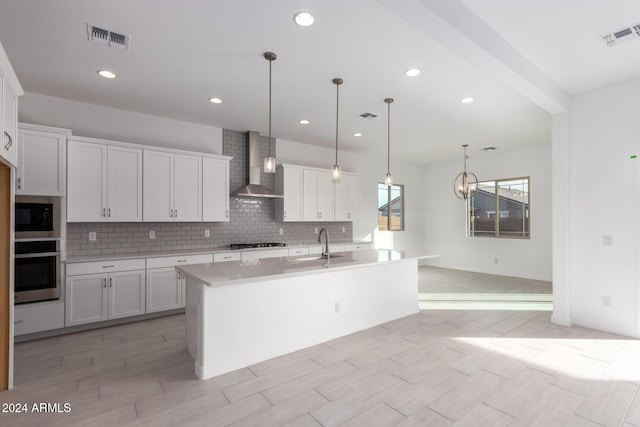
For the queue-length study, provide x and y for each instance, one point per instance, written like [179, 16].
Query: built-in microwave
[37, 217]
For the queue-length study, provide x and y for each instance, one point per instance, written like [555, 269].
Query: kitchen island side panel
[237, 326]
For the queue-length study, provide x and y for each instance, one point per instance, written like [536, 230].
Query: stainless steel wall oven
[37, 271]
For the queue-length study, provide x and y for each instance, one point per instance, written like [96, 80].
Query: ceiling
[180, 56]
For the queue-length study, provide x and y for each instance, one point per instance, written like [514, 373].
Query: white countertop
[212, 250]
[238, 272]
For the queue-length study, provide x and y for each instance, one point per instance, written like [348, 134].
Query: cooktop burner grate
[255, 245]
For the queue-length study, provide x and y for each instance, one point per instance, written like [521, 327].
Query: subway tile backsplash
[251, 221]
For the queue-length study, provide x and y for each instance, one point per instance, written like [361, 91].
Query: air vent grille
[368, 116]
[621, 35]
[106, 37]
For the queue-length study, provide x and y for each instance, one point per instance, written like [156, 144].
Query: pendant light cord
[388, 137]
[337, 107]
[270, 61]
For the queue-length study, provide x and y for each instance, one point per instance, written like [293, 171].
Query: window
[499, 208]
[390, 207]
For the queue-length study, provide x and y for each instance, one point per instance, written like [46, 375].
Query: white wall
[119, 125]
[445, 216]
[604, 201]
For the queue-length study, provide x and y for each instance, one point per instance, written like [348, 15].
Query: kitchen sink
[316, 258]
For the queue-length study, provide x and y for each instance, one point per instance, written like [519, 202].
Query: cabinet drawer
[270, 253]
[357, 246]
[38, 317]
[227, 256]
[172, 261]
[77, 268]
[298, 251]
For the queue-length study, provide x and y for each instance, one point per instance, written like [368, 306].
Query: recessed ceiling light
[466, 100]
[215, 100]
[304, 122]
[107, 74]
[357, 134]
[412, 72]
[304, 19]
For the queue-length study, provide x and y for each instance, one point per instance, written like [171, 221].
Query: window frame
[496, 234]
[402, 197]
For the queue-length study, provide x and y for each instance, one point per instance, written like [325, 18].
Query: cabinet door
[124, 184]
[87, 299]
[163, 289]
[188, 188]
[10, 113]
[86, 182]
[215, 189]
[157, 193]
[41, 163]
[310, 196]
[353, 198]
[126, 293]
[325, 196]
[340, 195]
[292, 190]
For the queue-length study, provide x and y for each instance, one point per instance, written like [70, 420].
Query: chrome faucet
[325, 252]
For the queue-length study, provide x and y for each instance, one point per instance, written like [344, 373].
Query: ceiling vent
[106, 37]
[624, 34]
[368, 116]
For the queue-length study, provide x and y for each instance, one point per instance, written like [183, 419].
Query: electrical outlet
[280, 231]
[92, 236]
[315, 230]
[606, 301]
[338, 306]
[607, 240]
[344, 229]
[207, 233]
[152, 235]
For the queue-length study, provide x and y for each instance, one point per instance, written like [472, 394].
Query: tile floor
[436, 368]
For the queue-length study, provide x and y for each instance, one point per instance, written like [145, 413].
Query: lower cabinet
[166, 288]
[99, 296]
[38, 317]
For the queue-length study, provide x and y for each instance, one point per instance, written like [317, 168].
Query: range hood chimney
[253, 189]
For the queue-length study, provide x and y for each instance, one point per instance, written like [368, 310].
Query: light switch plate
[152, 235]
[92, 236]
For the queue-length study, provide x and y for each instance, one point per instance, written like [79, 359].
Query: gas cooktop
[255, 245]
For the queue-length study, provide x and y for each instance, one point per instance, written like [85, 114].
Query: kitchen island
[243, 312]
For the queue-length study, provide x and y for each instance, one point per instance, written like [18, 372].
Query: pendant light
[388, 179]
[465, 184]
[335, 173]
[270, 162]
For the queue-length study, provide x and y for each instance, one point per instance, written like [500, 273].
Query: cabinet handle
[108, 266]
[111, 282]
[285, 214]
[19, 183]
[175, 213]
[109, 212]
[104, 282]
[226, 257]
[182, 260]
[227, 213]
[170, 213]
[103, 212]
[18, 321]
[9, 142]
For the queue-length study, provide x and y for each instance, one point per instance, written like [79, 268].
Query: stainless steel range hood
[253, 189]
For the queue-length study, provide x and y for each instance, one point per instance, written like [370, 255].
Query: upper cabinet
[172, 187]
[10, 90]
[289, 184]
[215, 189]
[317, 195]
[41, 160]
[104, 182]
[347, 198]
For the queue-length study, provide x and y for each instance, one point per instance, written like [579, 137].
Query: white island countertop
[239, 272]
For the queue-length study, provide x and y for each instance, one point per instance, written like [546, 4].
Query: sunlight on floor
[484, 301]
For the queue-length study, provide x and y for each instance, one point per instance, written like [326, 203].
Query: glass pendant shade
[388, 180]
[465, 183]
[335, 173]
[269, 164]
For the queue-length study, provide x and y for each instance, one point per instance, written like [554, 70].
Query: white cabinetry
[10, 123]
[227, 256]
[165, 286]
[347, 198]
[97, 291]
[38, 317]
[42, 160]
[264, 253]
[289, 184]
[317, 195]
[104, 182]
[172, 187]
[215, 189]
